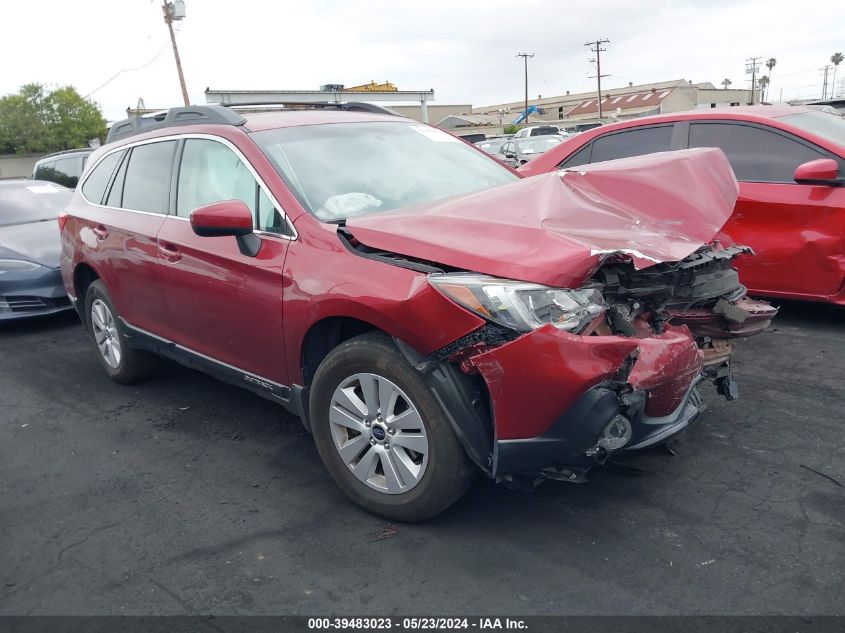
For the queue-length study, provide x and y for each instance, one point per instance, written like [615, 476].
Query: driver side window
[210, 172]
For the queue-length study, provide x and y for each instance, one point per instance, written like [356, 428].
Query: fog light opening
[616, 434]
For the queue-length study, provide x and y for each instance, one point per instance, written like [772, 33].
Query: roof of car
[292, 118]
[736, 112]
[79, 150]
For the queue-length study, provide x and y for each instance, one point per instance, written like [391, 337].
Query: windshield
[345, 169]
[829, 126]
[22, 202]
[538, 144]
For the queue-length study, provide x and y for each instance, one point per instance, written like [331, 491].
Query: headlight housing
[17, 266]
[521, 305]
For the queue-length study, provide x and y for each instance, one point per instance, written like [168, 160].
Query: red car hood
[556, 228]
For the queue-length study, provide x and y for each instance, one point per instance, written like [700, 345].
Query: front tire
[381, 434]
[122, 363]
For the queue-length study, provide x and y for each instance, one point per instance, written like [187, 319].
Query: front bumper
[34, 293]
[553, 393]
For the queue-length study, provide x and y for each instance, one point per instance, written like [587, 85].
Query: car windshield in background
[538, 144]
[347, 169]
[23, 202]
[829, 126]
[493, 146]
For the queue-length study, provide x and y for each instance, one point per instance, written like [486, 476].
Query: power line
[598, 50]
[126, 70]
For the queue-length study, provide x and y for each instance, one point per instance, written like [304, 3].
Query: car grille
[27, 304]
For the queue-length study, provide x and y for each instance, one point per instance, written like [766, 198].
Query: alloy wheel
[105, 333]
[378, 433]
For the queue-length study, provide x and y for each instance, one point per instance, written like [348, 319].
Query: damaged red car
[790, 163]
[426, 312]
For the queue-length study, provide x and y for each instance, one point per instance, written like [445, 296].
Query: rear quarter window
[94, 187]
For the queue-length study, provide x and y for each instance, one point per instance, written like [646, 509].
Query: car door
[128, 191]
[221, 303]
[786, 223]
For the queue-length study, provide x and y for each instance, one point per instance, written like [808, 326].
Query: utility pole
[525, 58]
[752, 66]
[825, 70]
[598, 50]
[169, 16]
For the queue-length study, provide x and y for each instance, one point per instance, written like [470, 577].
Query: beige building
[17, 165]
[626, 103]
[436, 112]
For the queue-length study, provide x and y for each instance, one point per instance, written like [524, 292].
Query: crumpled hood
[37, 242]
[556, 228]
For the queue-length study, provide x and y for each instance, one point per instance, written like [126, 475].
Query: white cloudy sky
[464, 50]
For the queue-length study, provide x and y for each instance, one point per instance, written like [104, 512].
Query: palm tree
[763, 82]
[726, 82]
[837, 59]
[771, 63]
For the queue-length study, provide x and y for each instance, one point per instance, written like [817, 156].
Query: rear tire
[122, 363]
[381, 434]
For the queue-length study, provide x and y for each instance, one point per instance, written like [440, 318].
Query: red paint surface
[796, 230]
[554, 229]
[536, 378]
[226, 214]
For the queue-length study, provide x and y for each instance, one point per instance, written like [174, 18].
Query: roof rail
[187, 115]
[349, 106]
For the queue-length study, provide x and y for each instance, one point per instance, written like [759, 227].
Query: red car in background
[790, 164]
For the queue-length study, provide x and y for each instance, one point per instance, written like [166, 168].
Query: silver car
[520, 150]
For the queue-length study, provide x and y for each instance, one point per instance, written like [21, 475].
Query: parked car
[423, 309]
[63, 168]
[520, 150]
[790, 163]
[493, 144]
[30, 279]
[540, 130]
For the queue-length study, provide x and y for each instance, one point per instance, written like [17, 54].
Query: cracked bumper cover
[553, 393]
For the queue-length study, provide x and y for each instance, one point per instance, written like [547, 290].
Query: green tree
[836, 58]
[726, 82]
[36, 121]
[72, 120]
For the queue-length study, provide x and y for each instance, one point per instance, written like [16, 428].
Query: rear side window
[95, 185]
[756, 154]
[68, 171]
[46, 171]
[645, 140]
[147, 183]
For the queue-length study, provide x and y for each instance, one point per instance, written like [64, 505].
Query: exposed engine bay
[702, 292]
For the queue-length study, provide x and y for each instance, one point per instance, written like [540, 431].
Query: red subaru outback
[422, 308]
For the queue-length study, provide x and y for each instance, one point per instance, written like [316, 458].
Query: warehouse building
[623, 103]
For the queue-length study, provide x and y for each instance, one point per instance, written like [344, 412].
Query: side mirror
[510, 155]
[228, 217]
[824, 171]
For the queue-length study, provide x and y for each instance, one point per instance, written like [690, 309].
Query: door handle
[101, 232]
[169, 252]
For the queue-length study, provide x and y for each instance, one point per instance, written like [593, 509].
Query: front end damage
[606, 298]
[554, 403]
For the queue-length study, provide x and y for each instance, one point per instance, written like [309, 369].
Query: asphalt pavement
[184, 495]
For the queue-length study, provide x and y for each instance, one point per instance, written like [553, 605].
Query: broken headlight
[521, 305]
